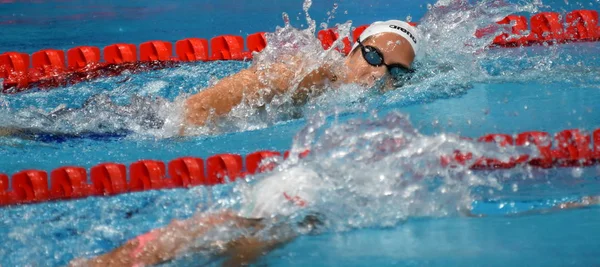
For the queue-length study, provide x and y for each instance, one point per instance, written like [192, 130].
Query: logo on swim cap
[402, 28]
[404, 31]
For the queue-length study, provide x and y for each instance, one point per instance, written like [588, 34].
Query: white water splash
[453, 59]
[373, 172]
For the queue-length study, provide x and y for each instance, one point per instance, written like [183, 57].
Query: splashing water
[372, 172]
[375, 172]
[452, 61]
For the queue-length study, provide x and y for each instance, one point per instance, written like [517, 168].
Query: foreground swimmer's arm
[248, 249]
[161, 244]
[164, 244]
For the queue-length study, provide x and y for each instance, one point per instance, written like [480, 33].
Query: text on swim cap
[404, 31]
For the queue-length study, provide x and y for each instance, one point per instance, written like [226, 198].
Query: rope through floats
[48, 68]
[569, 148]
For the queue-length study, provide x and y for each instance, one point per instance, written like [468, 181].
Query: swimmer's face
[395, 50]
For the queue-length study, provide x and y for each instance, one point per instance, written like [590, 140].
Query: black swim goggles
[374, 57]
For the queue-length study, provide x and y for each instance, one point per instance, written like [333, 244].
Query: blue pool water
[497, 91]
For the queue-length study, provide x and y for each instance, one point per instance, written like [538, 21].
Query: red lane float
[146, 175]
[30, 186]
[221, 166]
[572, 149]
[48, 68]
[14, 69]
[357, 32]
[502, 140]
[187, 172]
[581, 25]
[543, 143]
[568, 148]
[120, 53]
[516, 36]
[596, 153]
[69, 182]
[156, 50]
[546, 28]
[254, 160]
[329, 36]
[192, 49]
[256, 42]
[83, 56]
[228, 47]
[304, 154]
[84, 62]
[109, 179]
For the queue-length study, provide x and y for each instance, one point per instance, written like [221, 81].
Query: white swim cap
[401, 28]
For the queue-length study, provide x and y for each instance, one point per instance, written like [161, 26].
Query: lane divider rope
[568, 148]
[48, 68]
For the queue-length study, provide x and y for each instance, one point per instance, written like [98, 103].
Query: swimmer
[385, 51]
[273, 202]
[265, 222]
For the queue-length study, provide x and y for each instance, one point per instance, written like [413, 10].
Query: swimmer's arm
[248, 249]
[159, 245]
[16, 132]
[252, 84]
[249, 84]
[313, 84]
[222, 97]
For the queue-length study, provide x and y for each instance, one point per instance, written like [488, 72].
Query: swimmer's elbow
[280, 77]
[196, 112]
